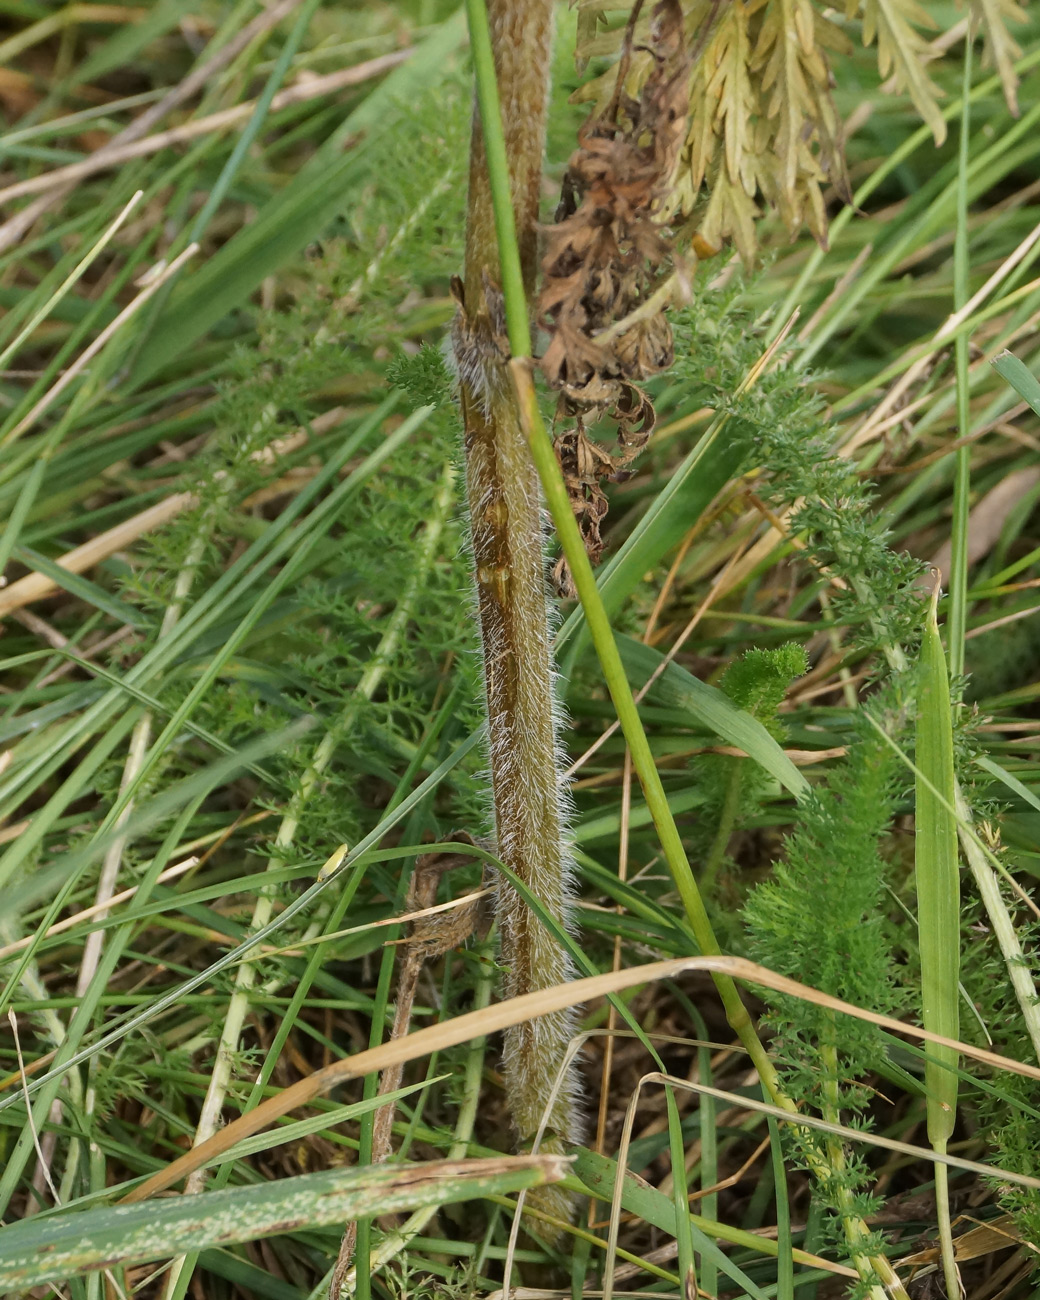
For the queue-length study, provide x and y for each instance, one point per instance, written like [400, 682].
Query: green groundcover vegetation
[298, 805]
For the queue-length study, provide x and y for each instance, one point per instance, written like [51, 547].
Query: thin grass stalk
[1017, 964]
[957, 621]
[72, 279]
[164, 275]
[69, 1053]
[512, 58]
[785, 1247]
[596, 618]
[398, 1240]
[34, 987]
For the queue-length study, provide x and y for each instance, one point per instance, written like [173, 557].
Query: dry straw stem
[36, 586]
[114, 156]
[162, 275]
[70, 281]
[78, 918]
[504, 1015]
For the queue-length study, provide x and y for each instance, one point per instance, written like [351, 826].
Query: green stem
[830, 1108]
[498, 171]
[727, 820]
[942, 1209]
[581, 570]
[958, 610]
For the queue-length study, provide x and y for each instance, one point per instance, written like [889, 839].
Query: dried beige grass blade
[115, 155]
[59, 927]
[35, 586]
[461, 1029]
[201, 76]
[162, 275]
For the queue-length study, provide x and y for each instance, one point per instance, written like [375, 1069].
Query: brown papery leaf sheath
[602, 258]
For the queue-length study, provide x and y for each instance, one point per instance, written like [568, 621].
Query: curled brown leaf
[603, 258]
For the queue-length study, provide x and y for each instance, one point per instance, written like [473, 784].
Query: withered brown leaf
[602, 260]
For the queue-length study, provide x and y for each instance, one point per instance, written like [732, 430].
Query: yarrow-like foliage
[784, 426]
[819, 919]
[763, 129]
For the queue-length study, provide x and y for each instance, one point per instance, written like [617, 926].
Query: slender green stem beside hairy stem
[596, 618]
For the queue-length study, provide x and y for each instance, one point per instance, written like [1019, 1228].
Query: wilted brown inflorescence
[603, 259]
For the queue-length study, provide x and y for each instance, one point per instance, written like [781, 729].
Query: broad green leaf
[938, 882]
[711, 708]
[58, 1247]
[1020, 377]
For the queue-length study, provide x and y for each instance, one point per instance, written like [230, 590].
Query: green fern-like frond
[763, 129]
[903, 52]
[1000, 49]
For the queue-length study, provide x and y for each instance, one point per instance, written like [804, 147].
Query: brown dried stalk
[512, 598]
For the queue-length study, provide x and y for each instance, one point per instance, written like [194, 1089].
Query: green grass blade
[123, 49]
[76, 585]
[1020, 377]
[71, 1245]
[938, 883]
[958, 618]
[1012, 782]
[684, 498]
[785, 1250]
[598, 1173]
[341, 863]
[713, 709]
[938, 909]
[294, 217]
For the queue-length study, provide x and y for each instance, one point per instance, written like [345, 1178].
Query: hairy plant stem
[514, 278]
[509, 561]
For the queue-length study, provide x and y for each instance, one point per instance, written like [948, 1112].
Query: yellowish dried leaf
[1001, 50]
